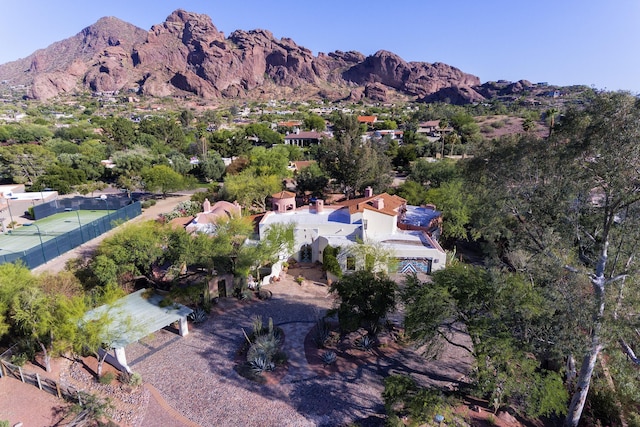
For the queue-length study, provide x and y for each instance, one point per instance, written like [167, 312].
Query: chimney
[378, 203]
[368, 192]
[319, 206]
[206, 206]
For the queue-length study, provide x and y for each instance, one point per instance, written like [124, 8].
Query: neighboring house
[303, 139]
[297, 166]
[367, 120]
[379, 219]
[396, 135]
[205, 221]
[432, 128]
[290, 124]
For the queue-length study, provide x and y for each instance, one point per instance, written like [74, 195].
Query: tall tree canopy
[353, 163]
[572, 203]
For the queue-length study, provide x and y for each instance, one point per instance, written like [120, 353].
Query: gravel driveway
[195, 374]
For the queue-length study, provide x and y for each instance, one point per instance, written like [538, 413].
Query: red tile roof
[391, 204]
[284, 195]
[367, 119]
[299, 165]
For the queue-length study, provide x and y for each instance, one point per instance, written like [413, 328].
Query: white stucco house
[407, 231]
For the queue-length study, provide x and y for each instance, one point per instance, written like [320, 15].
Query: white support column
[184, 327]
[122, 359]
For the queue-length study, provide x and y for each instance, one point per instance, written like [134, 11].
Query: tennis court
[29, 236]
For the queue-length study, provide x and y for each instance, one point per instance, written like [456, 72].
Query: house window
[351, 263]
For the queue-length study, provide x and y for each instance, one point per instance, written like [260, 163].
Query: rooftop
[420, 216]
[136, 316]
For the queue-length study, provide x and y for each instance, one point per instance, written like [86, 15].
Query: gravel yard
[195, 374]
[190, 381]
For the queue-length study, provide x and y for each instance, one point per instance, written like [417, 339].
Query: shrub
[265, 294]
[280, 358]
[403, 398]
[147, 204]
[135, 380]
[321, 333]
[107, 378]
[165, 302]
[19, 359]
[257, 325]
[267, 345]
[132, 379]
[330, 261]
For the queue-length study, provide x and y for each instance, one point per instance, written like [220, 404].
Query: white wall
[379, 223]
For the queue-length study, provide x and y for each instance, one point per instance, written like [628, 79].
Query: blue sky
[563, 42]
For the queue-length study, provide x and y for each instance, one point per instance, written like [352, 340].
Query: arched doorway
[305, 253]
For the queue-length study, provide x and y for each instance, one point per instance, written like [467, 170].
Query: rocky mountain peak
[187, 55]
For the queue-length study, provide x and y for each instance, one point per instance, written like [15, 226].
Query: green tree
[24, 164]
[311, 179]
[352, 163]
[132, 250]
[161, 178]
[270, 161]
[251, 189]
[572, 203]
[230, 143]
[120, 131]
[264, 134]
[186, 117]
[277, 242]
[502, 329]
[414, 193]
[314, 122]
[14, 279]
[364, 298]
[33, 314]
[62, 178]
[211, 168]
[457, 206]
[434, 174]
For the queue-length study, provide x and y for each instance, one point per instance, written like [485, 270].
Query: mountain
[187, 56]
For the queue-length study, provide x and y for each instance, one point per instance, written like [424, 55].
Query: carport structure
[134, 317]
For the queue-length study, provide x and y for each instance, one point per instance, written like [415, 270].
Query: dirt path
[86, 250]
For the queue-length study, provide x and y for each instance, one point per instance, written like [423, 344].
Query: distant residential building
[304, 139]
[368, 120]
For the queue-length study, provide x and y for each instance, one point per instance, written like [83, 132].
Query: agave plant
[365, 343]
[329, 357]
[198, 315]
[261, 363]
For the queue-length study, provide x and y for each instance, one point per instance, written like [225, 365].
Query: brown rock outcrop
[188, 55]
